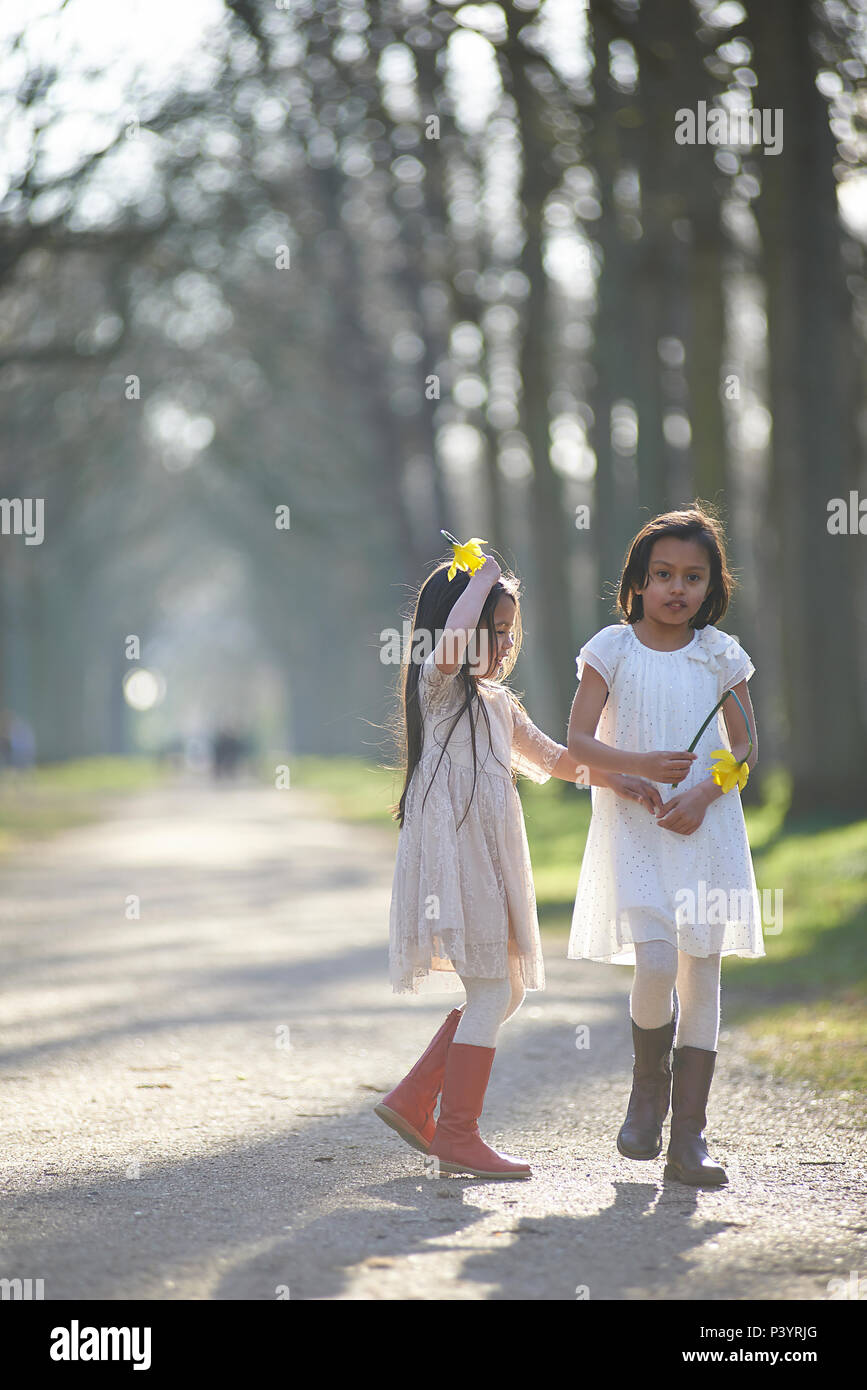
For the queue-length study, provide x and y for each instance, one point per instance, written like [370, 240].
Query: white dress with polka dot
[639, 881]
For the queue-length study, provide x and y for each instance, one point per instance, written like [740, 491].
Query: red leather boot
[457, 1142]
[409, 1108]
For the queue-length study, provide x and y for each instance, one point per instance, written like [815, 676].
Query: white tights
[659, 967]
[489, 1003]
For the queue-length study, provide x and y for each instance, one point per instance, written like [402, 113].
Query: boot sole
[670, 1171]
[639, 1158]
[402, 1127]
[480, 1172]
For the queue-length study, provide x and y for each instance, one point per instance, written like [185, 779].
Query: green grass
[801, 1005]
[55, 796]
[353, 788]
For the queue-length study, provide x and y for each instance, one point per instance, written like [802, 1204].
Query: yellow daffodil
[468, 556]
[727, 771]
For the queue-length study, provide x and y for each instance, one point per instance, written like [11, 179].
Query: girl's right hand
[635, 789]
[667, 767]
[490, 571]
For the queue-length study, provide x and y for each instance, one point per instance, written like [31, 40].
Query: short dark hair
[696, 523]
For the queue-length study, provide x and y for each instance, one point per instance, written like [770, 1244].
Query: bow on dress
[710, 645]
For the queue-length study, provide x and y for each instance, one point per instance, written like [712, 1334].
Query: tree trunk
[552, 539]
[813, 403]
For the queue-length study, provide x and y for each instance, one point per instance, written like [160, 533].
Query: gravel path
[160, 1140]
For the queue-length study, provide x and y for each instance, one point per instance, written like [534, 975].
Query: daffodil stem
[710, 717]
[746, 721]
[453, 540]
[717, 706]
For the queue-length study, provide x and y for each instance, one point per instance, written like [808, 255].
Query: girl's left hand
[684, 812]
[636, 789]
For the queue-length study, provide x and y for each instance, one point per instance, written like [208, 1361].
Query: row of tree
[399, 268]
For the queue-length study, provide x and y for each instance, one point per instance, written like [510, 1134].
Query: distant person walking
[17, 742]
[228, 750]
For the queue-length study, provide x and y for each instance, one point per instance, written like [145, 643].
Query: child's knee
[699, 977]
[656, 963]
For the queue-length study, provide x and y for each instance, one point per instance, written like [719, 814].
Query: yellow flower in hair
[727, 771]
[467, 556]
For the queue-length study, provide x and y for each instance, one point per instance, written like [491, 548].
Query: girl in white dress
[463, 909]
[672, 892]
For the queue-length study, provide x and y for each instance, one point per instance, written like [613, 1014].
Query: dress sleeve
[534, 754]
[736, 665]
[435, 688]
[602, 652]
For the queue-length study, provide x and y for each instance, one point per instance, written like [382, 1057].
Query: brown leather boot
[640, 1134]
[457, 1142]
[687, 1158]
[409, 1108]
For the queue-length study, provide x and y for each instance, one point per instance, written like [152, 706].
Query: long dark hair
[434, 602]
[696, 523]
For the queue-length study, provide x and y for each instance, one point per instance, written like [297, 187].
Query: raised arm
[462, 620]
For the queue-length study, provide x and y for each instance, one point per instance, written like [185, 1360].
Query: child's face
[504, 625]
[678, 579]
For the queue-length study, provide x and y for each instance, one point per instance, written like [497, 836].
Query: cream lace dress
[639, 881]
[462, 899]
